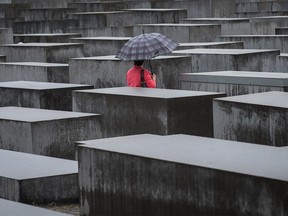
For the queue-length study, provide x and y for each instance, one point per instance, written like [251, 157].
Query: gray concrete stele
[128, 110]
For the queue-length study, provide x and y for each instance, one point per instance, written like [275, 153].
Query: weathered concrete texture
[122, 31]
[157, 15]
[42, 52]
[2, 58]
[45, 38]
[214, 20]
[181, 175]
[34, 71]
[109, 5]
[108, 71]
[255, 118]
[128, 17]
[14, 208]
[257, 26]
[217, 45]
[129, 110]
[261, 6]
[43, 4]
[100, 46]
[204, 60]
[183, 33]
[281, 31]
[203, 8]
[234, 82]
[220, 21]
[43, 95]
[44, 26]
[37, 179]
[282, 63]
[260, 41]
[46, 132]
[37, 14]
[6, 36]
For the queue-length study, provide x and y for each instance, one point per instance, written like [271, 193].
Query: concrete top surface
[178, 25]
[155, 9]
[238, 77]
[283, 55]
[249, 159]
[36, 115]
[222, 51]
[100, 13]
[27, 166]
[102, 2]
[40, 44]
[150, 92]
[103, 38]
[10, 208]
[113, 58]
[254, 36]
[268, 18]
[32, 85]
[219, 18]
[271, 99]
[37, 64]
[208, 43]
[46, 34]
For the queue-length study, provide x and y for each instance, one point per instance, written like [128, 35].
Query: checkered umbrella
[146, 46]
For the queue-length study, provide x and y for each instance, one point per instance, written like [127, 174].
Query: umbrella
[146, 47]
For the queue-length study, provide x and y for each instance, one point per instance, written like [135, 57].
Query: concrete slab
[181, 174]
[14, 208]
[183, 33]
[214, 20]
[244, 7]
[128, 17]
[255, 118]
[44, 26]
[45, 37]
[100, 46]
[37, 179]
[103, 19]
[157, 111]
[42, 52]
[44, 4]
[205, 8]
[34, 71]
[204, 60]
[42, 95]
[217, 45]
[46, 132]
[281, 31]
[157, 15]
[38, 14]
[6, 36]
[2, 58]
[282, 63]
[111, 72]
[235, 82]
[122, 31]
[259, 41]
[258, 25]
[109, 5]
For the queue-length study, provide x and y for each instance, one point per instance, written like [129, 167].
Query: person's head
[139, 62]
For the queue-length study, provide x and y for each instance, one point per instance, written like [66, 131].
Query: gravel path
[72, 209]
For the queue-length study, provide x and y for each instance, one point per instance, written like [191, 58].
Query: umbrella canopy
[146, 46]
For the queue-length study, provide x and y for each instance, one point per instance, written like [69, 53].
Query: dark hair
[139, 62]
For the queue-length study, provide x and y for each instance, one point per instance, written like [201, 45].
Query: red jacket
[133, 77]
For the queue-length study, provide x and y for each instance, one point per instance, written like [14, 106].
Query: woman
[133, 76]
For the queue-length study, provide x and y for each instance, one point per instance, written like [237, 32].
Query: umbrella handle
[150, 67]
